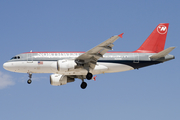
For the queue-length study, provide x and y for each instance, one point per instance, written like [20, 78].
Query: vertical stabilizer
[156, 41]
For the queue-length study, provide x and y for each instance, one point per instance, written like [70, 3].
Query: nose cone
[7, 66]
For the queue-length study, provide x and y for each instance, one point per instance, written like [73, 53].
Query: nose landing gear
[29, 81]
[30, 76]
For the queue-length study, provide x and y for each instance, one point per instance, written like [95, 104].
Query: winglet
[94, 78]
[120, 35]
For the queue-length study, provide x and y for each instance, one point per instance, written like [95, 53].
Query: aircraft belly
[51, 67]
[45, 67]
[116, 67]
[33, 67]
[99, 69]
[73, 72]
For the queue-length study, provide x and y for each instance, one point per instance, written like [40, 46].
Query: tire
[29, 81]
[89, 76]
[83, 85]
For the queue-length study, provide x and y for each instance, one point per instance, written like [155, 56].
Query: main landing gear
[30, 76]
[83, 85]
[89, 76]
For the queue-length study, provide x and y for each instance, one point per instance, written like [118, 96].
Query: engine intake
[57, 79]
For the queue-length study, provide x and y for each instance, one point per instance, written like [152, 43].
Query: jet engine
[57, 79]
[65, 65]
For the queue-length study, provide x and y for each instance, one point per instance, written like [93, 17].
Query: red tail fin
[156, 41]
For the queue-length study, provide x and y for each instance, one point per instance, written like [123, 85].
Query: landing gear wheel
[29, 81]
[89, 76]
[30, 76]
[83, 85]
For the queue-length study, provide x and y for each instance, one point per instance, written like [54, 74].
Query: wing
[89, 58]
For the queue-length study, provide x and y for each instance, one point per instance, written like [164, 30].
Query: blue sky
[150, 93]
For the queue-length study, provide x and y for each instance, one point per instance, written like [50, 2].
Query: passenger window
[18, 57]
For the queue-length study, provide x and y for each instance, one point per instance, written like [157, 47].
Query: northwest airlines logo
[161, 29]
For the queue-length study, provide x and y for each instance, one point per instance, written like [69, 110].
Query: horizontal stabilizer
[162, 53]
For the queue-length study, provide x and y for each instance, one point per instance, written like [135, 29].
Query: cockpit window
[15, 57]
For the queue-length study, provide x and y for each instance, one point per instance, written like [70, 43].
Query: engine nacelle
[65, 65]
[57, 79]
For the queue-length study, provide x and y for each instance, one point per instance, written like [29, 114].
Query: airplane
[66, 66]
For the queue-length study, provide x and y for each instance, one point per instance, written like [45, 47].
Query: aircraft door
[29, 58]
[136, 58]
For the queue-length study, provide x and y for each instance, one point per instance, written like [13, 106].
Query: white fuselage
[36, 63]
[39, 62]
[51, 67]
